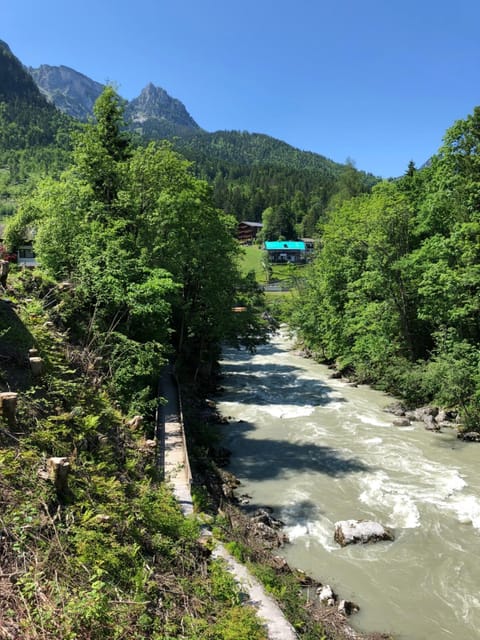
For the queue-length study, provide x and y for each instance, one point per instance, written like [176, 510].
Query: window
[26, 252]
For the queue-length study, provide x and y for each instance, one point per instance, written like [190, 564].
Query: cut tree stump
[8, 403]
[4, 269]
[36, 365]
[58, 470]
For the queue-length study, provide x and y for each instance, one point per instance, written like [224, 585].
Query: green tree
[102, 147]
[279, 223]
[154, 263]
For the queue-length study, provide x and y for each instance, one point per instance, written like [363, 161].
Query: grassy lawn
[252, 261]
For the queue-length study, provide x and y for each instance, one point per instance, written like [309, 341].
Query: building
[24, 254]
[247, 231]
[309, 245]
[286, 251]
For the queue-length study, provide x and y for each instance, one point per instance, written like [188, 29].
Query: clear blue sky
[377, 81]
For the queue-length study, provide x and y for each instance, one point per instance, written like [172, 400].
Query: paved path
[278, 627]
[176, 464]
[178, 475]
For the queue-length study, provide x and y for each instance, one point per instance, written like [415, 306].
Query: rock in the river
[420, 414]
[363, 531]
[470, 436]
[347, 608]
[326, 595]
[430, 423]
[397, 409]
[401, 422]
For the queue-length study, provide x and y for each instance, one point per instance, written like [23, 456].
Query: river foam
[338, 456]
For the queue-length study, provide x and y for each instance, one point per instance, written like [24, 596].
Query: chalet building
[247, 231]
[285, 251]
[24, 253]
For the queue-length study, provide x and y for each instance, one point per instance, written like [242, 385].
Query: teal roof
[288, 245]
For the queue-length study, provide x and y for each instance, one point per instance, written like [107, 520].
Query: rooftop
[286, 245]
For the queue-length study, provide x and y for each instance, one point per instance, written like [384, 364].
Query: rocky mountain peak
[154, 103]
[70, 91]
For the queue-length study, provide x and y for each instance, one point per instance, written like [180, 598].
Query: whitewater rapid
[319, 450]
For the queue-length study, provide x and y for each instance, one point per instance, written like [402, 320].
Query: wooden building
[247, 231]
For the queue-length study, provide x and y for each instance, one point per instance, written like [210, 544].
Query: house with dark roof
[247, 231]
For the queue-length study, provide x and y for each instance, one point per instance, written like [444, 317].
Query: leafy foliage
[111, 556]
[394, 292]
[140, 240]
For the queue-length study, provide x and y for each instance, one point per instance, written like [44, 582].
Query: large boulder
[360, 531]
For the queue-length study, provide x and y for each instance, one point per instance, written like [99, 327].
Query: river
[318, 450]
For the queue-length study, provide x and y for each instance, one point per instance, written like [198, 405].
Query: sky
[376, 82]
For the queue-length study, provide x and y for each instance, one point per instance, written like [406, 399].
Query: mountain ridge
[154, 114]
[72, 92]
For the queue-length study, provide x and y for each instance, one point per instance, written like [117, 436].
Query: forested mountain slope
[250, 172]
[26, 118]
[34, 135]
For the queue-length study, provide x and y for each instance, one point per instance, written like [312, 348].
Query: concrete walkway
[177, 474]
[175, 463]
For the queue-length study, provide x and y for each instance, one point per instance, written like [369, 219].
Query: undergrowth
[108, 555]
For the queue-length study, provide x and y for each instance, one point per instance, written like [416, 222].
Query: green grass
[252, 261]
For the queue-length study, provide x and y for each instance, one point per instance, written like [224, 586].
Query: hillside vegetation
[109, 554]
[106, 553]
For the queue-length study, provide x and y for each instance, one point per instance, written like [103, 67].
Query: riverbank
[255, 538]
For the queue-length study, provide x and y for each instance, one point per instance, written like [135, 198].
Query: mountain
[155, 114]
[249, 171]
[27, 119]
[15, 83]
[70, 91]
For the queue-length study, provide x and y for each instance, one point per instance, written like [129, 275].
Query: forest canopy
[142, 243]
[394, 292]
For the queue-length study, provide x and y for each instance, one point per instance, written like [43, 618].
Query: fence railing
[188, 470]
